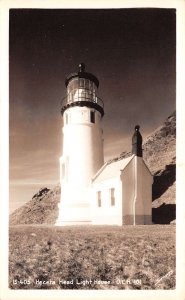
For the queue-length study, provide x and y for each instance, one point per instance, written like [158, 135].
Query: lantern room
[82, 91]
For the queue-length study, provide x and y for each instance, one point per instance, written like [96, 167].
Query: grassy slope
[97, 253]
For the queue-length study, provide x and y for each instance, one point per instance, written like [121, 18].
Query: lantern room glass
[81, 89]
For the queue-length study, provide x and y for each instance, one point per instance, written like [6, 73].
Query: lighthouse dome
[82, 74]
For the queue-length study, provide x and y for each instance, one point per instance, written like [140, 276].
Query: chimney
[137, 142]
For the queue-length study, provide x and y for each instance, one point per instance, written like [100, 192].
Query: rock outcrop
[41, 209]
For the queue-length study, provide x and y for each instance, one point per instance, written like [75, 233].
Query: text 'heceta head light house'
[118, 192]
[82, 111]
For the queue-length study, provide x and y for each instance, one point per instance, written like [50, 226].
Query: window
[81, 82]
[112, 196]
[94, 89]
[63, 170]
[87, 84]
[66, 118]
[72, 86]
[99, 199]
[91, 85]
[92, 117]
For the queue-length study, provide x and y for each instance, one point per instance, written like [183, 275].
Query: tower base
[72, 223]
[74, 214]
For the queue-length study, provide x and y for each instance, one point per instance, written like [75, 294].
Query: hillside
[160, 156]
[159, 153]
[42, 208]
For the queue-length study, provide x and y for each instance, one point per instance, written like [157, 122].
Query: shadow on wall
[164, 214]
[163, 180]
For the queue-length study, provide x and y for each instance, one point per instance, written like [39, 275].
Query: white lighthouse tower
[82, 111]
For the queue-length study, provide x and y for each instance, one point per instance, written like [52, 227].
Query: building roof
[110, 170]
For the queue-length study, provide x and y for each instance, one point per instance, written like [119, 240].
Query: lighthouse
[82, 155]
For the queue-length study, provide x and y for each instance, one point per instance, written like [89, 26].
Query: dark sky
[131, 51]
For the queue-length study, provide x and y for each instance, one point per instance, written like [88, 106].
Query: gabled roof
[110, 170]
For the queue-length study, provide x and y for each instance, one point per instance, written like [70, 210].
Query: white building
[92, 192]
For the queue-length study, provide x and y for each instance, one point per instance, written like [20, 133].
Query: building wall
[147, 192]
[107, 214]
[133, 196]
[138, 203]
[143, 204]
[82, 145]
[127, 178]
[137, 193]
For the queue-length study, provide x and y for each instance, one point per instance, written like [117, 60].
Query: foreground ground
[98, 257]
